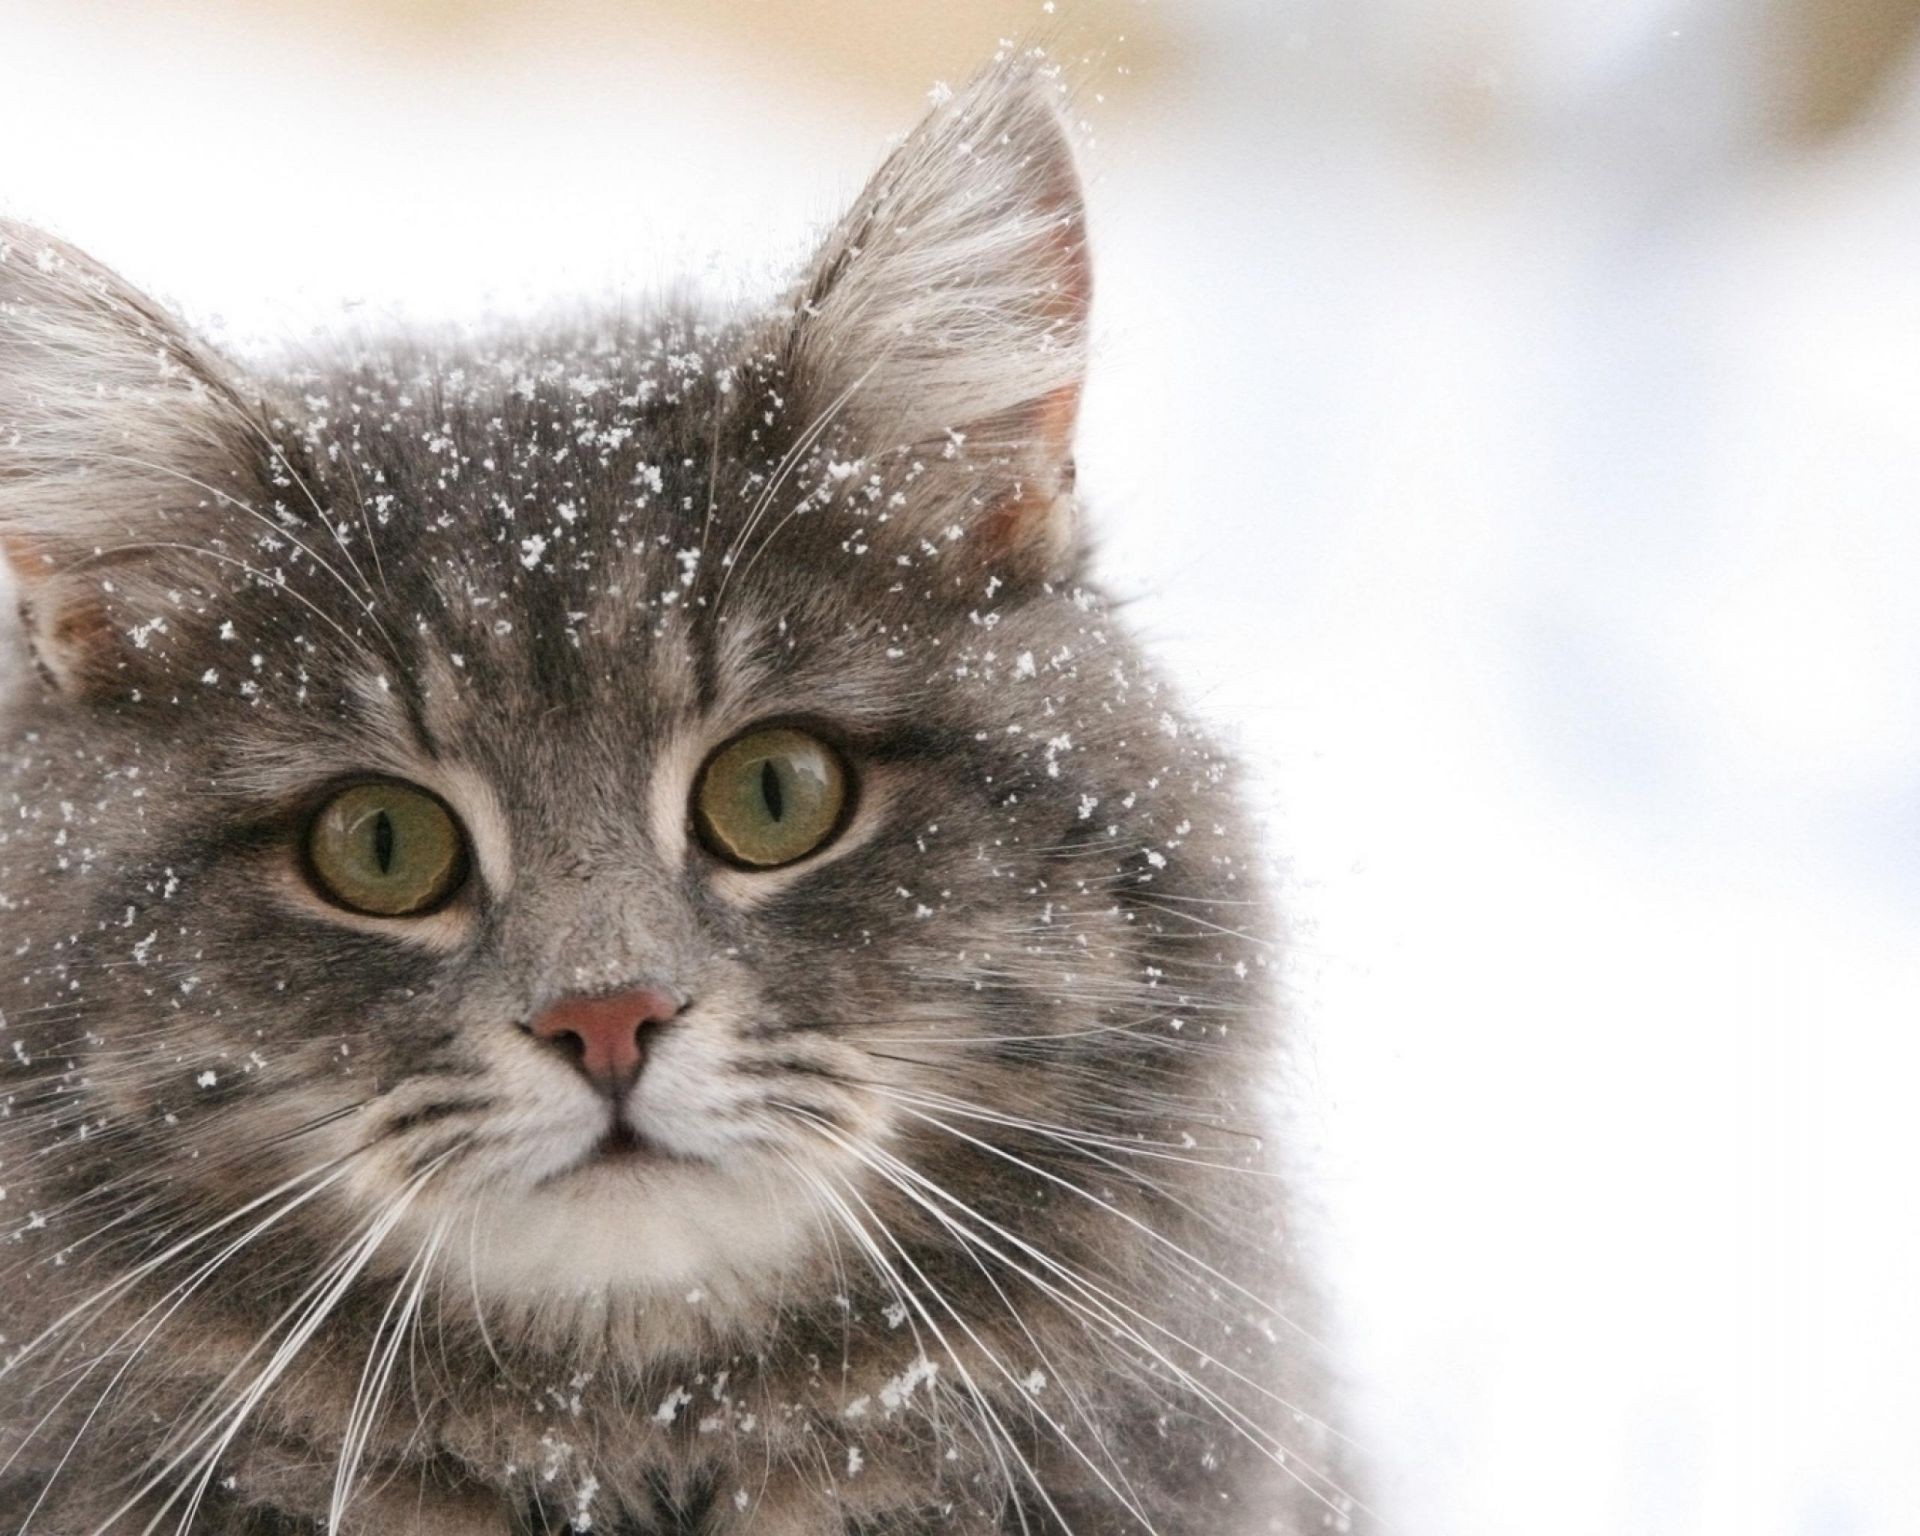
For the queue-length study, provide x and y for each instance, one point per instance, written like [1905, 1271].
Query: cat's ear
[945, 323]
[121, 441]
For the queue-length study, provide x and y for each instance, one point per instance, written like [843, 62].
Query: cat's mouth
[623, 1144]
[620, 1145]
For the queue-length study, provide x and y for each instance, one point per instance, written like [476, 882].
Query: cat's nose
[606, 1036]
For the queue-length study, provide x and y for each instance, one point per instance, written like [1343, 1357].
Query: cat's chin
[634, 1222]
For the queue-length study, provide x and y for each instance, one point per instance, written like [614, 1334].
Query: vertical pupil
[383, 842]
[770, 789]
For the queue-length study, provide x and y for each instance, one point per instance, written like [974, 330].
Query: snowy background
[1509, 416]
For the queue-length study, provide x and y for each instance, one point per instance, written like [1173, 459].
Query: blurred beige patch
[1832, 62]
[883, 53]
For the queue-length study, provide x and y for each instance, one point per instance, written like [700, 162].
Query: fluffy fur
[957, 1218]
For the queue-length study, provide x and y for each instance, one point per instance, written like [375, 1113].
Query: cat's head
[618, 804]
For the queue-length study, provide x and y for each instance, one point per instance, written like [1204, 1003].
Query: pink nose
[606, 1036]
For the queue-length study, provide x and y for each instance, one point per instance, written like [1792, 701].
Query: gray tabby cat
[602, 932]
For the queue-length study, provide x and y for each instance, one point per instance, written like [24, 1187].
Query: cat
[605, 931]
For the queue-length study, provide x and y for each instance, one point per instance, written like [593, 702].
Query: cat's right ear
[123, 445]
[944, 325]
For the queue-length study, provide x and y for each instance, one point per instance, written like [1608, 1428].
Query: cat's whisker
[1091, 996]
[286, 464]
[1146, 1231]
[307, 1314]
[167, 1306]
[474, 1212]
[1204, 900]
[801, 446]
[826, 1227]
[1110, 1302]
[1083, 1153]
[1138, 1030]
[132, 1213]
[364, 603]
[1106, 1311]
[800, 506]
[366, 523]
[446, 1378]
[1102, 1320]
[374, 1379]
[1123, 1496]
[835, 1217]
[892, 1170]
[124, 1282]
[1001, 1438]
[226, 1155]
[863, 1154]
[1093, 1143]
[354, 642]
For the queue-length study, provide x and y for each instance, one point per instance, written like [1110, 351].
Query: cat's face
[600, 805]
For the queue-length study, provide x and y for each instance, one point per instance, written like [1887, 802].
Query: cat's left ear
[124, 452]
[944, 326]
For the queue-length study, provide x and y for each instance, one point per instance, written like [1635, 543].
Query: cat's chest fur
[848, 1425]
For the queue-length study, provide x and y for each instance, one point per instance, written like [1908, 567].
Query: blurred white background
[1508, 412]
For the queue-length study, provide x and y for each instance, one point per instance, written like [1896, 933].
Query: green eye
[770, 797]
[386, 850]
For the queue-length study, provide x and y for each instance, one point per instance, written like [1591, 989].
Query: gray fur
[963, 1222]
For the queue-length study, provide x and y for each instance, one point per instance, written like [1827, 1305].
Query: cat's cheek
[686, 1102]
[714, 1098]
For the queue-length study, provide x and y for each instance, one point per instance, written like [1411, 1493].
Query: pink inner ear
[1054, 418]
[68, 631]
[1030, 516]
[22, 559]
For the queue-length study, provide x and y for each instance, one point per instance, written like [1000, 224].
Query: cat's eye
[386, 849]
[771, 796]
